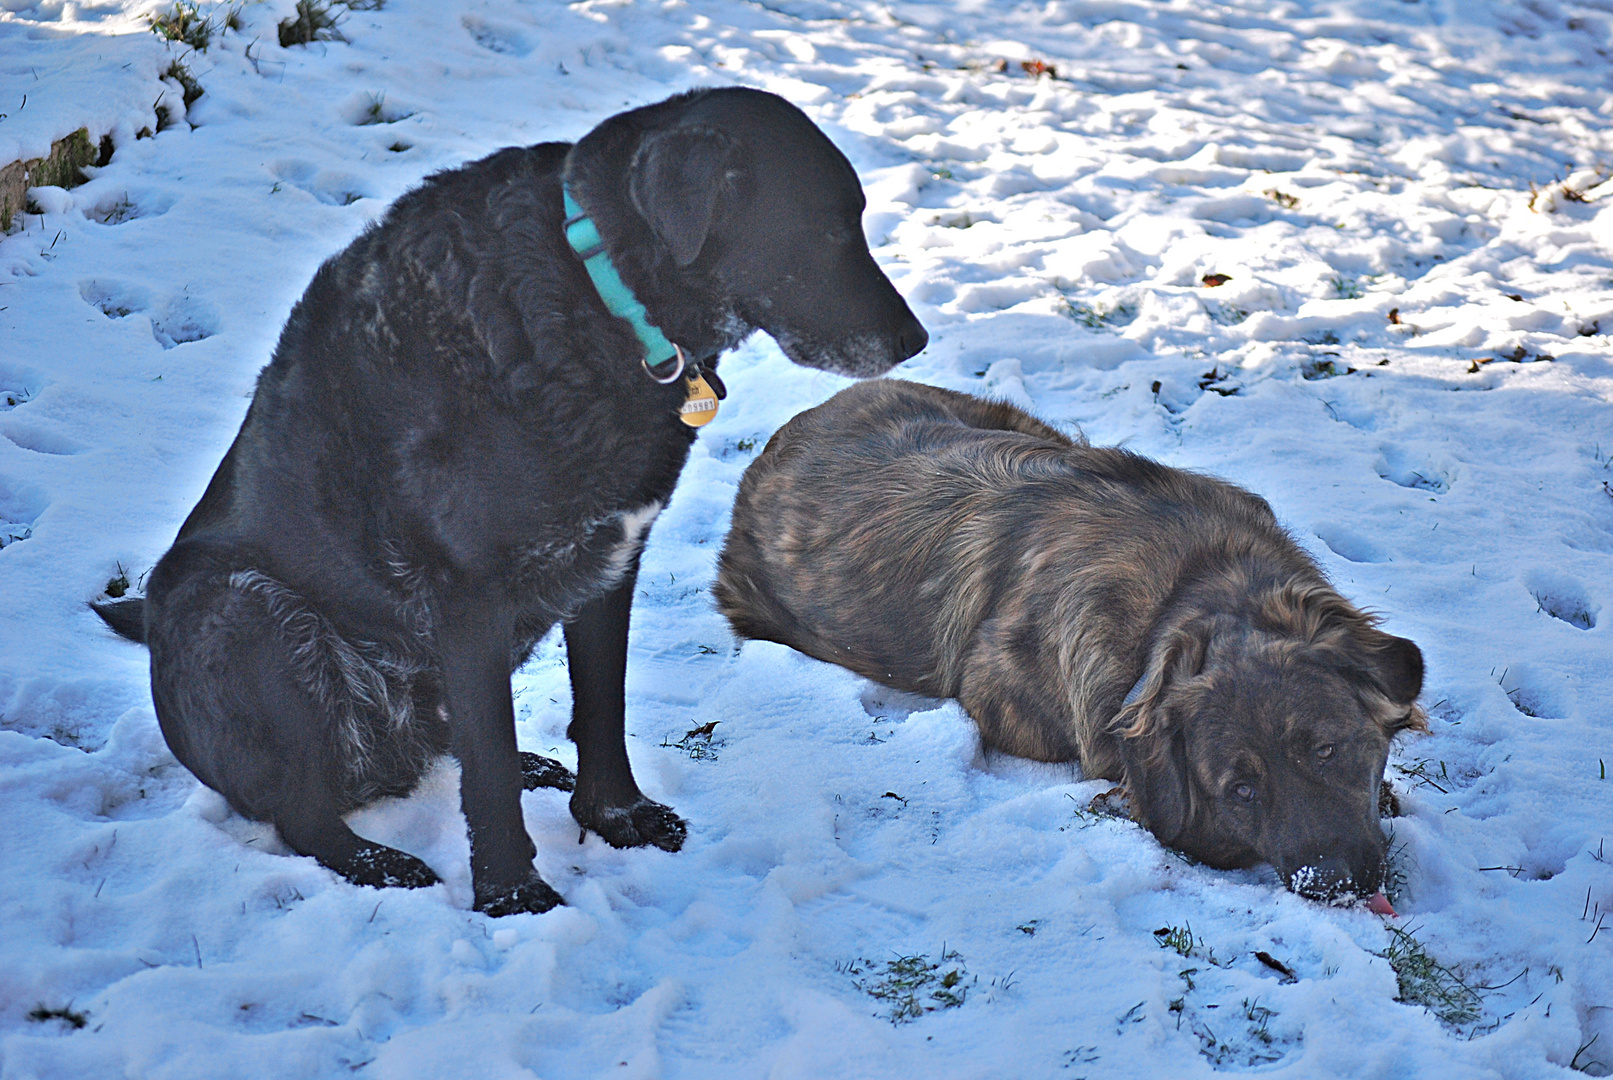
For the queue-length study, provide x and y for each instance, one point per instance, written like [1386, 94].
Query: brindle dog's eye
[1244, 792]
[1324, 751]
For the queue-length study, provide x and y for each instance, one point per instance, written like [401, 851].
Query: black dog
[457, 444]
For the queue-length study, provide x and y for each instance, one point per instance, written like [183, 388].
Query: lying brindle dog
[1083, 603]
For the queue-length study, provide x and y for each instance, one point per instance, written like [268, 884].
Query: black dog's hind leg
[607, 800]
[235, 712]
[473, 642]
[310, 825]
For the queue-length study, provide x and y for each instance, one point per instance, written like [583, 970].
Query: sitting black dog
[471, 419]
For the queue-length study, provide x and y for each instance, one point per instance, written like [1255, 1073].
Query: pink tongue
[1379, 904]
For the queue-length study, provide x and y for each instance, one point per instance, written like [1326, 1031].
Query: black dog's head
[1251, 746]
[727, 211]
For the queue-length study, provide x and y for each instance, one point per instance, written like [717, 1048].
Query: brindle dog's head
[1264, 739]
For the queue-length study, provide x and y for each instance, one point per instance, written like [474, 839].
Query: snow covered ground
[1409, 357]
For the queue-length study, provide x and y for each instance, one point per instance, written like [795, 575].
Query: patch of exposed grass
[1347, 288]
[910, 986]
[118, 585]
[315, 20]
[1323, 367]
[1396, 870]
[187, 82]
[1098, 316]
[1214, 381]
[119, 212]
[1589, 1063]
[697, 742]
[184, 22]
[66, 1014]
[1425, 981]
[1179, 938]
[376, 112]
[1182, 941]
[1256, 1047]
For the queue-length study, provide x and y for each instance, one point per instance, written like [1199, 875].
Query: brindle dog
[1083, 603]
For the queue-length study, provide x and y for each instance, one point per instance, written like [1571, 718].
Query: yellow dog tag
[700, 407]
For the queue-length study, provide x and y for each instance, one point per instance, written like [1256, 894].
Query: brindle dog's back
[984, 498]
[817, 571]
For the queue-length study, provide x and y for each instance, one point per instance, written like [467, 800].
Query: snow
[1415, 190]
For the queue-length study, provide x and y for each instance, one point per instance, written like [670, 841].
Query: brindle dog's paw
[641, 824]
[383, 867]
[538, 771]
[532, 896]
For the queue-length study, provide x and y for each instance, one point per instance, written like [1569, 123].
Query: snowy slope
[1406, 189]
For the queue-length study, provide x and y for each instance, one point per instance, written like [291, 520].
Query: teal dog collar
[583, 237]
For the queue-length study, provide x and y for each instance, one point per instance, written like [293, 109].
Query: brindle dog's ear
[1398, 668]
[1151, 747]
[674, 183]
[1156, 777]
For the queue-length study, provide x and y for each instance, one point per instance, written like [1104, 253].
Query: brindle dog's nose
[1329, 878]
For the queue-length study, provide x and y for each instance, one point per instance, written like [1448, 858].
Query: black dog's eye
[1246, 792]
[1324, 751]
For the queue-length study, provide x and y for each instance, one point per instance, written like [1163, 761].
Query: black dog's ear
[674, 183]
[1156, 777]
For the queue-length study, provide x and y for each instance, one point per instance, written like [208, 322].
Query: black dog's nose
[912, 338]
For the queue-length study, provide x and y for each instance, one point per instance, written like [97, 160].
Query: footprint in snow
[1563, 599]
[20, 507]
[174, 321]
[15, 391]
[184, 319]
[329, 186]
[883, 703]
[114, 299]
[495, 37]
[1410, 472]
[124, 207]
[1533, 692]
[1346, 543]
[37, 437]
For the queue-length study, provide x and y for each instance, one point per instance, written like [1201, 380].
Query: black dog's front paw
[383, 867]
[538, 771]
[640, 824]
[532, 896]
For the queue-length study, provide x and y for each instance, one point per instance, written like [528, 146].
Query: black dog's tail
[127, 617]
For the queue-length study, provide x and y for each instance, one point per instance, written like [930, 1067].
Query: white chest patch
[635, 526]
